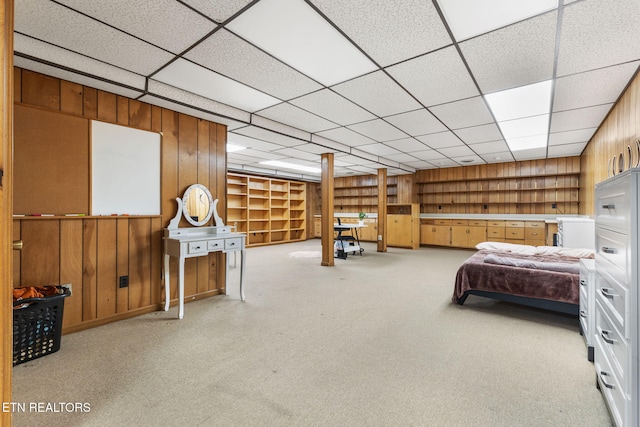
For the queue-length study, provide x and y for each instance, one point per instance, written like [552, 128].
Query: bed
[545, 277]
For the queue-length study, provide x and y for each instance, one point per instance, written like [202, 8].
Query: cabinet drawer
[197, 247]
[612, 204]
[609, 384]
[534, 224]
[584, 314]
[495, 232]
[515, 224]
[495, 224]
[612, 247]
[613, 297]
[611, 341]
[459, 222]
[477, 223]
[235, 243]
[514, 233]
[442, 222]
[534, 234]
[215, 245]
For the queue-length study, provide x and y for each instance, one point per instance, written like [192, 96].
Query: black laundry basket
[37, 328]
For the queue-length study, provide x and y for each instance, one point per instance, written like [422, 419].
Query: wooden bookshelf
[269, 210]
[360, 193]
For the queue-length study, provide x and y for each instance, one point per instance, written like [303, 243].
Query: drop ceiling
[395, 84]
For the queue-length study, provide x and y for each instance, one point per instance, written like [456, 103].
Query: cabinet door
[436, 235]
[399, 230]
[459, 236]
[477, 235]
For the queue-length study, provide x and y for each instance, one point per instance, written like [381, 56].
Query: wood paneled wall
[620, 130]
[92, 252]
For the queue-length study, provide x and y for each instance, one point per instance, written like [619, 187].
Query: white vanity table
[189, 242]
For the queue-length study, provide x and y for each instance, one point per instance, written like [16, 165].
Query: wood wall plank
[106, 283]
[40, 90]
[71, 269]
[71, 95]
[139, 115]
[122, 260]
[107, 106]
[123, 111]
[89, 263]
[41, 248]
[90, 103]
[140, 262]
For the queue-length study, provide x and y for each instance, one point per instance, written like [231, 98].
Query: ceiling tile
[571, 137]
[253, 143]
[418, 122]
[407, 145]
[592, 88]
[378, 130]
[501, 157]
[296, 34]
[294, 116]
[420, 164]
[295, 153]
[401, 157]
[566, 150]
[458, 151]
[514, 56]
[580, 118]
[468, 160]
[378, 149]
[490, 147]
[328, 104]
[463, 114]
[377, 93]
[468, 18]
[231, 56]
[218, 10]
[318, 149]
[440, 140]
[70, 60]
[615, 38]
[34, 17]
[389, 32]
[533, 153]
[164, 23]
[346, 136]
[478, 134]
[435, 78]
[444, 163]
[269, 136]
[428, 155]
[196, 79]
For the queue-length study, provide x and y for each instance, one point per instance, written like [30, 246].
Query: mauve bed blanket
[476, 274]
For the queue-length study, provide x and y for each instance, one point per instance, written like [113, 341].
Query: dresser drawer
[496, 224]
[613, 343]
[442, 222]
[584, 314]
[613, 204]
[234, 243]
[609, 384]
[534, 233]
[197, 247]
[613, 297]
[459, 222]
[477, 223]
[495, 232]
[515, 224]
[612, 247]
[215, 245]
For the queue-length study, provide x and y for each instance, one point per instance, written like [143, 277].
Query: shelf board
[500, 177]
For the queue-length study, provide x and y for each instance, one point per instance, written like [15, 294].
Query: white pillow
[507, 247]
[572, 252]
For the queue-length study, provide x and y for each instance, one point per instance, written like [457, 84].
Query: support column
[326, 186]
[382, 210]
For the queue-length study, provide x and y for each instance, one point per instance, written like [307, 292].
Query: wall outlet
[124, 281]
[380, 237]
[67, 286]
[553, 205]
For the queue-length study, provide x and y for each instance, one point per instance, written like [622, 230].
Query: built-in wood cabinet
[403, 225]
[468, 233]
[269, 210]
[436, 232]
[360, 193]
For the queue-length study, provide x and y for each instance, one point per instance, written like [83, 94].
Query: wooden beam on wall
[326, 185]
[382, 210]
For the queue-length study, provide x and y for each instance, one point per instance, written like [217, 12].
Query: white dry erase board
[125, 170]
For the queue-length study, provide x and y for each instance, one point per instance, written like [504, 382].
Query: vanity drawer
[235, 243]
[215, 245]
[613, 344]
[197, 247]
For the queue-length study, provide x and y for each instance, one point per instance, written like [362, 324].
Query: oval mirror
[197, 205]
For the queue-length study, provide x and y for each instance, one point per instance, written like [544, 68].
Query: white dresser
[576, 232]
[588, 303]
[616, 339]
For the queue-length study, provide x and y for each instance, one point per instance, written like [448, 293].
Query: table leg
[180, 288]
[167, 284]
[243, 254]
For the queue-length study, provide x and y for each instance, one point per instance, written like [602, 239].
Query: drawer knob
[602, 375]
[610, 206]
[607, 250]
[197, 247]
[583, 314]
[607, 293]
[605, 336]
[583, 283]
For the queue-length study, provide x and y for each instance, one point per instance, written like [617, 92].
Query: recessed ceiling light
[466, 161]
[287, 165]
[232, 148]
[519, 102]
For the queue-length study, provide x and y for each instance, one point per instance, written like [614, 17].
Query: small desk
[182, 243]
[343, 243]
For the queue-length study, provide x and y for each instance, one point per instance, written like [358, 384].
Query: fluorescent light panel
[293, 166]
[468, 18]
[523, 114]
[232, 148]
[293, 32]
